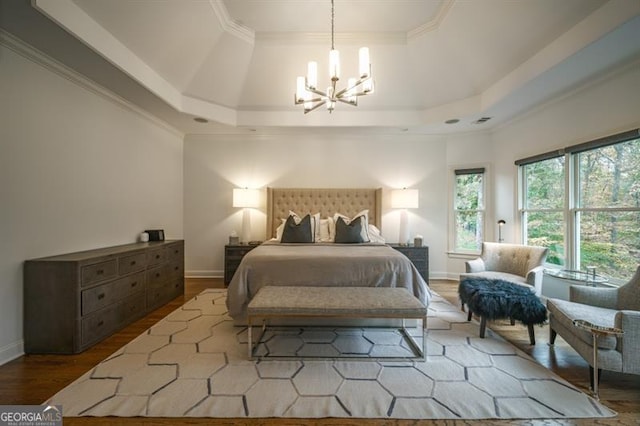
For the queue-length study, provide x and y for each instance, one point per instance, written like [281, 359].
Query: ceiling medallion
[307, 93]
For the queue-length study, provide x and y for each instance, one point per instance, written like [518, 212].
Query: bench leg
[249, 339]
[469, 315]
[532, 336]
[483, 326]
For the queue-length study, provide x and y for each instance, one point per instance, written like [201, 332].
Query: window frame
[572, 203]
[454, 171]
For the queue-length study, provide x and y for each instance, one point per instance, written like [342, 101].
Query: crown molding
[435, 23]
[229, 25]
[34, 55]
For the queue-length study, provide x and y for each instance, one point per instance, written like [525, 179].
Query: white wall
[214, 165]
[78, 170]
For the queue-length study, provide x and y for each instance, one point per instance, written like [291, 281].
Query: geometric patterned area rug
[193, 363]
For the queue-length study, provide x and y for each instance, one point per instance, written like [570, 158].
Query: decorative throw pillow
[297, 232]
[365, 224]
[315, 223]
[349, 232]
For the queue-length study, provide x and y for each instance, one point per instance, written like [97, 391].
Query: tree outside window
[469, 209]
[597, 224]
[543, 207]
[608, 209]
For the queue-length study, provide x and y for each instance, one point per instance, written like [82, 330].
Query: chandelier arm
[316, 106]
[316, 91]
[354, 103]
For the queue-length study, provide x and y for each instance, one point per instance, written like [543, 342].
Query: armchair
[617, 308]
[515, 263]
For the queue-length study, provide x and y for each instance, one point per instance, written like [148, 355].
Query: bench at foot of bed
[279, 302]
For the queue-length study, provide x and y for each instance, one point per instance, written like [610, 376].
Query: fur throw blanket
[495, 299]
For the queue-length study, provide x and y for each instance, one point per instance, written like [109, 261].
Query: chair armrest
[594, 296]
[534, 278]
[475, 265]
[628, 343]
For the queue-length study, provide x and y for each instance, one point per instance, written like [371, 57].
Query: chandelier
[308, 94]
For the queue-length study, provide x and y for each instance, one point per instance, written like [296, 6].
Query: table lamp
[246, 198]
[404, 199]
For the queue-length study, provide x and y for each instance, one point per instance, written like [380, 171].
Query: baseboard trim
[203, 274]
[11, 352]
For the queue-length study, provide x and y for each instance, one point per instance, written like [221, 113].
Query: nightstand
[419, 256]
[233, 255]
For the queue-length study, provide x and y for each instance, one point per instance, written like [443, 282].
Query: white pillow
[324, 234]
[365, 225]
[375, 235]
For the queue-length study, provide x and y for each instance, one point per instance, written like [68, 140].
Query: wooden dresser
[73, 301]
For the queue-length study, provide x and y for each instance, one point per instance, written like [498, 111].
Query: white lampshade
[404, 198]
[245, 197]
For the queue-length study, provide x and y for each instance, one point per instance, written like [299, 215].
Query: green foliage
[608, 202]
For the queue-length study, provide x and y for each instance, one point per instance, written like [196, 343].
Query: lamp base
[403, 238]
[246, 226]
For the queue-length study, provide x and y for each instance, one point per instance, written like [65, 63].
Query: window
[607, 213]
[542, 211]
[583, 203]
[469, 209]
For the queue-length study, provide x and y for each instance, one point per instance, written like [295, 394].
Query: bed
[322, 262]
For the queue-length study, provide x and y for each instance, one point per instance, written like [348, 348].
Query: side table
[418, 255]
[233, 254]
[596, 330]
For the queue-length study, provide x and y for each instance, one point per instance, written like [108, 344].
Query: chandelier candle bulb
[334, 64]
[312, 74]
[365, 65]
[300, 90]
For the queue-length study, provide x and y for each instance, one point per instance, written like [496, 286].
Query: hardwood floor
[31, 379]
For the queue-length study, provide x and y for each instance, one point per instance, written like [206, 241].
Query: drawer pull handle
[133, 284]
[157, 256]
[99, 271]
[133, 262]
[157, 274]
[101, 296]
[101, 323]
[176, 268]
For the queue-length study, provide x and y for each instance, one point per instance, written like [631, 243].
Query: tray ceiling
[234, 62]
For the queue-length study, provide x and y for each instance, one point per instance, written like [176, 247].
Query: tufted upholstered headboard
[327, 201]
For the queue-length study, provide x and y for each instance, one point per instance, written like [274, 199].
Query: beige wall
[78, 171]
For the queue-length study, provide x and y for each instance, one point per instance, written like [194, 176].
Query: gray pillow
[297, 233]
[349, 233]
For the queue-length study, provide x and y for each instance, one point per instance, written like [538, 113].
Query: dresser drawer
[133, 263]
[98, 297]
[99, 324]
[99, 272]
[134, 307]
[157, 275]
[175, 252]
[156, 256]
[130, 285]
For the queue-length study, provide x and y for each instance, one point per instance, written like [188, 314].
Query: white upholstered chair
[515, 263]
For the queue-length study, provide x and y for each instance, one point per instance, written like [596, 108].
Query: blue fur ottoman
[492, 299]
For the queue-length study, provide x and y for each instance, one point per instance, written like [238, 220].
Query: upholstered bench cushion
[371, 302]
[565, 312]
